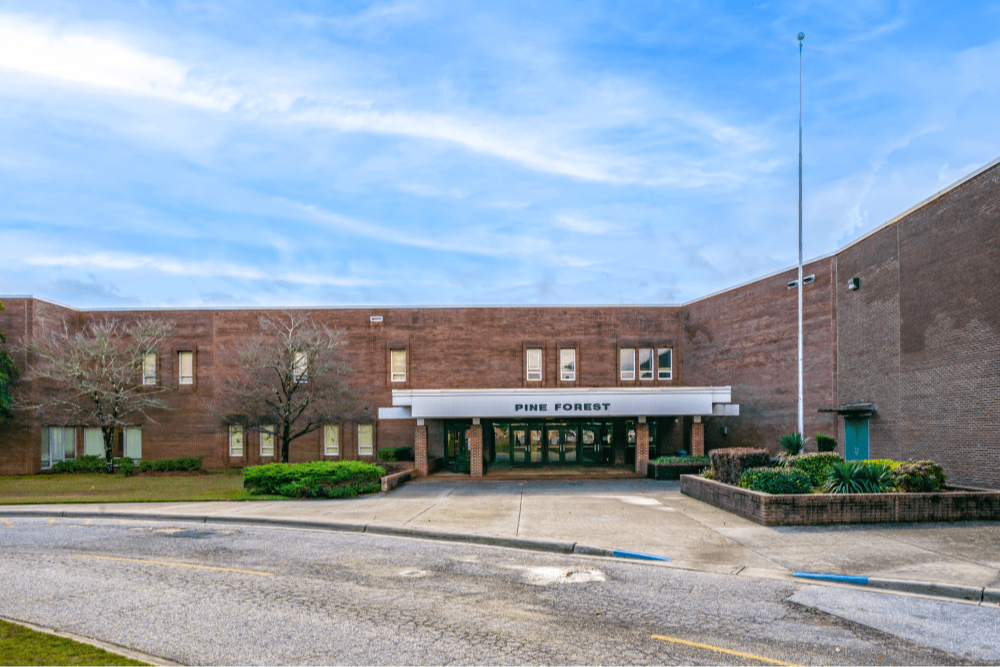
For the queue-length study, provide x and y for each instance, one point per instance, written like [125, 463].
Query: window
[235, 440]
[365, 441]
[267, 440]
[534, 364]
[567, 364]
[58, 444]
[133, 442]
[185, 368]
[628, 363]
[331, 440]
[300, 364]
[664, 358]
[645, 363]
[149, 369]
[93, 442]
[397, 360]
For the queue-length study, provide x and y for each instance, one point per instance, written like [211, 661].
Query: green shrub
[692, 460]
[886, 462]
[791, 444]
[816, 465]
[708, 474]
[189, 463]
[81, 464]
[125, 465]
[918, 477]
[64, 466]
[776, 480]
[316, 479]
[144, 466]
[730, 463]
[395, 454]
[825, 443]
[859, 477]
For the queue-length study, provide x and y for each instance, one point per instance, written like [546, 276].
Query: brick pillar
[697, 439]
[641, 448]
[420, 450]
[476, 449]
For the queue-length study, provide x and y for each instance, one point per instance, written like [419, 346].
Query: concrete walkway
[630, 514]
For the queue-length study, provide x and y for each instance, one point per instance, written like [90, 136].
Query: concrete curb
[513, 542]
[954, 591]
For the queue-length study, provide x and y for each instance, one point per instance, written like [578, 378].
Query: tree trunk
[109, 441]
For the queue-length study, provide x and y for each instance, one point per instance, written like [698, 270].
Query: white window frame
[93, 439]
[567, 375]
[60, 434]
[300, 367]
[236, 434]
[533, 374]
[267, 436]
[370, 430]
[149, 369]
[627, 354]
[397, 376]
[331, 440]
[649, 374]
[132, 443]
[664, 373]
[181, 377]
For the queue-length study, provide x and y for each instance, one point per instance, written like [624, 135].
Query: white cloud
[582, 225]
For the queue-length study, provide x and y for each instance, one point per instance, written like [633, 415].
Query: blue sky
[435, 153]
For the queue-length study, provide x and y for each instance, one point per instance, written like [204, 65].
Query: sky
[229, 153]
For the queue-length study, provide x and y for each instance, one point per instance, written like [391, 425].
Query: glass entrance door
[561, 443]
[457, 447]
[590, 444]
[527, 442]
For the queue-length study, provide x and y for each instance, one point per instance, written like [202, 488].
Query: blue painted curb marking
[845, 578]
[636, 554]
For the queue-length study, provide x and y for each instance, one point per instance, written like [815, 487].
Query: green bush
[316, 479]
[918, 477]
[395, 454]
[144, 466]
[859, 477]
[125, 465]
[730, 463]
[816, 465]
[791, 444]
[185, 463]
[708, 474]
[825, 443]
[692, 460]
[776, 480]
[82, 464]
[886, 462]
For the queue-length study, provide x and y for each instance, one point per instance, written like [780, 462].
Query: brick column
[697, 438]
[641, 448]
[476, 450]
[420, 450]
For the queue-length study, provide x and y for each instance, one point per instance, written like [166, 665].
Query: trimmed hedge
[83, 464]
[887, 462]
[825, 443]
[185, 463]
[815, 465]
[730, 463]
[395, 454]
[316, 479]
[918, 476]
[690, 460]
[776, 480]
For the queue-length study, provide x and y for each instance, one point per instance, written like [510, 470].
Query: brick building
[902, 360]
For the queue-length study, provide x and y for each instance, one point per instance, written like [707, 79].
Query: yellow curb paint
[51, 521]
[87, 522]
[723, 650]
[160, 562]
[6, 523]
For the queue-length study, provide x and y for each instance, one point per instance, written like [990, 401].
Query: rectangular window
[300, 364]
[235, 440]
[331, 440]
[664, 359]
[133, 442]
[93, 442]
[398, 362]
[185, 368]
[534, 364]
[645, 363]
[58, 444]
[149, 369]
[628, 363]
[366, 445]
[567, 364]
[267, 441]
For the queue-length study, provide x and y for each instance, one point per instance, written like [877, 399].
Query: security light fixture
[376, 318]
[805, 281]
[854, 284]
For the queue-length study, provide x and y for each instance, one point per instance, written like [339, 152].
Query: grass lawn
[104, 488]
[21, 646]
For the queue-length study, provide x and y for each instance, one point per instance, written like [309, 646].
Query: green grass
[21, 646]
[104, 488]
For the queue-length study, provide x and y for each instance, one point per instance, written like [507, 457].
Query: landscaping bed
[817, 509]
[674, 467]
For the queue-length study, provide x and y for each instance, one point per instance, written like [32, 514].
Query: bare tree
[94, 377]
[8, 374]
[290, 377]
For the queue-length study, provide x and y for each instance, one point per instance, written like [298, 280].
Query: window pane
[398, 363]
[646, 363]
[267, 441]
[331, 440]
[185, 361]
[46, 441]
[628, 363]
[300, 364]
[365, 440]
[534, 364]
[69, 442]
[149, 369]
[567, 364]
[93, 442]
[235, 440]
[133, 442]
[664, 355]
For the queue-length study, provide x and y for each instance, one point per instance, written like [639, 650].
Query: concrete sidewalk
[635, 515]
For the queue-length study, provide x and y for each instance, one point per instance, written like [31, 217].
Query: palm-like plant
[791, 445]
[859, 477]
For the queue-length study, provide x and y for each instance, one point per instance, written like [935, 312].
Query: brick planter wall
[674, 470]
[819, 509]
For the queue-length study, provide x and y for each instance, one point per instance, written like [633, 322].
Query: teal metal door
[857, 439]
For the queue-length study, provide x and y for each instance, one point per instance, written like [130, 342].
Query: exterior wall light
[854, 284]
[805, 281]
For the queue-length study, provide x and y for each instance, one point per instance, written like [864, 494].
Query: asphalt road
[198, 594]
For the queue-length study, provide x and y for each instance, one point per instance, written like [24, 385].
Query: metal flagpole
[801, 404]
